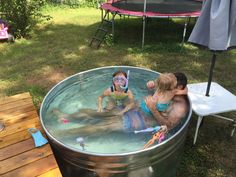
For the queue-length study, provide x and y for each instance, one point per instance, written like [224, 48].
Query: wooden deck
[18, 155]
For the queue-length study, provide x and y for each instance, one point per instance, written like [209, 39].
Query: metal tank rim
[109, 154]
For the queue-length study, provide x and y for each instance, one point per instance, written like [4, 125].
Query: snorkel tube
[127, 83]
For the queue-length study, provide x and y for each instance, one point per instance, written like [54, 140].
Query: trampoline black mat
[167, 7]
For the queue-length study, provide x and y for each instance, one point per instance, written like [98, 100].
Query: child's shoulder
[129, 91]
[108, 91]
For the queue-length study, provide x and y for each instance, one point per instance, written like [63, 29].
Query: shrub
[22, 15]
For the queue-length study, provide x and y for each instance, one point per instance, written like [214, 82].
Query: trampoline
[152, 9]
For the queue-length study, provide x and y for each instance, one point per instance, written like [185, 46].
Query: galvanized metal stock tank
[160, 160]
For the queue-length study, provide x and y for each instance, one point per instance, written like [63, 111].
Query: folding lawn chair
[4, 32]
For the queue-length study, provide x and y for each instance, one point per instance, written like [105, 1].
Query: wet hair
[181, 79]
[166, 82]
[119, 72]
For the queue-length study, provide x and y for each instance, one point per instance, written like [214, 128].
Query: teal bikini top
[159, 106]
[163, 106]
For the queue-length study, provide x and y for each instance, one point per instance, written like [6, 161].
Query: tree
[22, 15]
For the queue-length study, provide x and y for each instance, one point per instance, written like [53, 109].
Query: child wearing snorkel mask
[119, 95]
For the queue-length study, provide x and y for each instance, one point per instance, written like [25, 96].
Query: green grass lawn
[59, 48]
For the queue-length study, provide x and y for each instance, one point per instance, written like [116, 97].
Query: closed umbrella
[215, 29]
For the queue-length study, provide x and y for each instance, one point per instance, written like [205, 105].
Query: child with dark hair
[118, 94]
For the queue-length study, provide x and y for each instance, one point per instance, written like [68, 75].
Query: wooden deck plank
[16, 149]
[16, 137]
[52, 173]
[13, 112]
[20, 126]
[16, 104]
[34, 169]
[20, 96]
[20, 117]
[24, 158]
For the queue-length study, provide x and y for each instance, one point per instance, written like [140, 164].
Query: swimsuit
[163, 106]
[133, 120]
[118, 98]
[159, 106]
[145, 108]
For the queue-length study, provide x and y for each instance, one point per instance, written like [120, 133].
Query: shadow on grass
[212, 155]
[157, 30]
[62, 49]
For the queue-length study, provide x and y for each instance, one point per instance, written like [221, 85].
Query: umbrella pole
[213, 60]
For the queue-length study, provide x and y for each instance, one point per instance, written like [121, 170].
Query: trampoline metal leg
[113, 25]
[168, 20]
[101, 14]
[143, 37]
[185, 29]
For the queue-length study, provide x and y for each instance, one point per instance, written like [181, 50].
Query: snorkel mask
[122, 81]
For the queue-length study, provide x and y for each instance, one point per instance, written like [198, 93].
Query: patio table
[219, 101]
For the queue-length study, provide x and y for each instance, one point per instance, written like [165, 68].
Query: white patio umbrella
[215, 29]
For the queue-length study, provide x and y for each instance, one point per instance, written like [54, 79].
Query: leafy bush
[22, 15]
